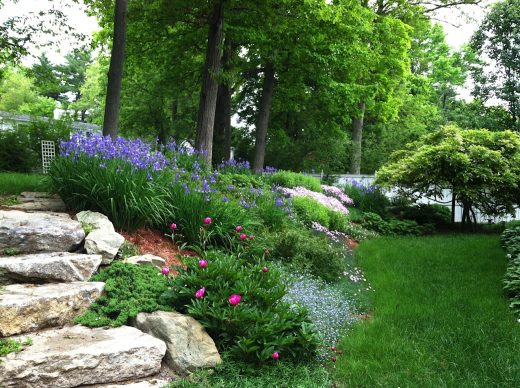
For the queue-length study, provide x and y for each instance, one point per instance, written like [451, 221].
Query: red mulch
[156, 243]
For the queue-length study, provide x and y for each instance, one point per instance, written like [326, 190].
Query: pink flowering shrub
[329, 202]
[336, 192]
[241, 307]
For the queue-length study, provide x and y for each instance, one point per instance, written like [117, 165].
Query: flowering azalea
[234, 299]
[165, 270]
[200, 293]
[207, 220]
[203, 263]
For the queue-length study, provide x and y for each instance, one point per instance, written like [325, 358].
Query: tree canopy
[481, 168]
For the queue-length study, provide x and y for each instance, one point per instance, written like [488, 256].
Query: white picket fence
[445, 201]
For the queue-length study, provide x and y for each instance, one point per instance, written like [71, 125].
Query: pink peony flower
[203, 263]
[173, 226]
[200, 293]
[234, 299]
[264, 270]
[165, 270]
[276, 356]
[238, 228]
[243, 237]
[207, 220]
[251, 237]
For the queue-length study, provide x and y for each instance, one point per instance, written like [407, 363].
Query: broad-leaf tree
[497, 42]
[481, 168]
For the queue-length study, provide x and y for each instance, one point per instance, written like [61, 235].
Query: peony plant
[240, 304]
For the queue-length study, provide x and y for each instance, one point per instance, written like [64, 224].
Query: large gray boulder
[48, 267]
[38, 232]
[27, 307]
[77, 355]
[188, 345]
[95, 219]
[105, 243]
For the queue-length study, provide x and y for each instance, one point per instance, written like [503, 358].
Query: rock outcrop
[48, 267]
[77, 355]
[27, 307]
[22, 232]
[188, 345]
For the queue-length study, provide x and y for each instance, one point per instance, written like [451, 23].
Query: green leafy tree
[16, 89]
[497, 43]
[481, 168]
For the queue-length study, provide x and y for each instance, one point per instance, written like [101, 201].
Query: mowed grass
[440, 318]
[12, 183]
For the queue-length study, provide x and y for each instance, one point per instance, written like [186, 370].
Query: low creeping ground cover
[440, 317]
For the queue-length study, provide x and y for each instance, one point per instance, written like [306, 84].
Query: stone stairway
[44, 290]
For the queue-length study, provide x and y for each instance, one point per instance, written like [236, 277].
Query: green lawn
[440, 318]
[12, 183]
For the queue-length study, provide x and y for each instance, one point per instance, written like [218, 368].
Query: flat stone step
[27, 307]
[48, 267]
[22, 232]
[75, 356]
[40, 201]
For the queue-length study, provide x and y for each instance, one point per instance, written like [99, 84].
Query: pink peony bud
[203, 263]
[173, 226]
[251, 237]
[165, 270]
[333, 359]
[276, 356]
[234, 299]
[264, 270]
[238, 228]
[243, 237]
[207, 220]
[333, 348]
[200, 293]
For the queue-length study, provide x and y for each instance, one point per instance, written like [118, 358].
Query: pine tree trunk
[263, 118]
[209, 90]
[357, 137]
[115, 71]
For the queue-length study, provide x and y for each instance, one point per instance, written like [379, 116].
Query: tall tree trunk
[357, 137]
[115, 71]
[263, 118]
[222, 127]
[209, 90]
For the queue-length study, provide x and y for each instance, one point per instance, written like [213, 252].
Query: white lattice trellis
[48, 154]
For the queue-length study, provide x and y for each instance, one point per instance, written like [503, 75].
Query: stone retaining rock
[77, 355]
[95, 219]
[48, 267]
[27, 307]
[147, 259]
[38, 232]
[105, 243]
[188, 345]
